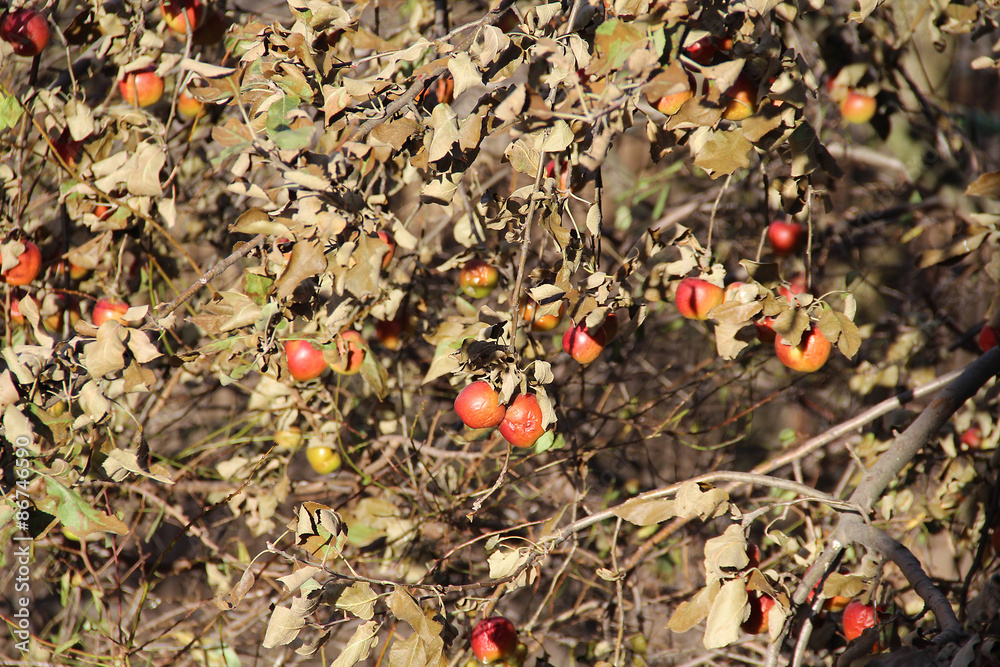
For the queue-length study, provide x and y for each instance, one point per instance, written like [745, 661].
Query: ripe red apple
[740, 99]
[16, 316]
[305, 362]
[765, 329]
[857, 618]
[857, 108]
[444, 89]
[543, 323]
[182, 16]
[26, 30]
[703, 50]
[108, 309]
[760, 608]
[522, 425]
[103, 213]
[585, 345]
[391, 242]
[478, 405]
[670, 104]
[494, 639]
[809, 355]
[695, 297]
[188, 107]
[141, 88]
[786, 237]
[988, 337]
[66, 147]
[561, 172]
[323, 459]
[753, 555]
[390, 332]
[351, 348]
[28, 264]
[478, 279]
[972, 437]
[796, 286]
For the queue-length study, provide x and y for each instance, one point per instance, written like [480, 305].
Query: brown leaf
[307, 260]
[724, 153]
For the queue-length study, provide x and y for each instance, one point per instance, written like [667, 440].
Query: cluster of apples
[306, 361]
[520, 423]
[494, 642]
[696, 297]
[144, 87]
[478, 279]
[22, 274]
[740, 98]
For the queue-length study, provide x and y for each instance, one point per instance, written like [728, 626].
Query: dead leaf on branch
[724, 152]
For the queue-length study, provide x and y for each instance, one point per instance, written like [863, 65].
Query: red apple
[26, 30]
[522, 424]
[972, 437]
[351, 348]
[390, 332]
[809, 355]
[188, 107]
[108, 309]
[760, 607]
[141, 88]
[796, 286]
[182, 16]
[703, 50]
[16, 316]
[765, 329]
[444, 89]
[494, 639]
[988, 337]
[585, 345]
[478, 279]
[391, 242]
[103, 213]
[740, 99]
[543, 323]
[28, 264]
[561, 172]
[478, 406]
[305, 362]
[857, 618]
[67, 148]
[696, 297]
[857, 108]
[786, 237]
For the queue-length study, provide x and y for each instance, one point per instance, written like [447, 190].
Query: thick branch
[929, 422]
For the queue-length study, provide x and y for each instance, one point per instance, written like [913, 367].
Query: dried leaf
[729, 610]
[645, 512]
[359, 646]
[282, 628]
[724, 152]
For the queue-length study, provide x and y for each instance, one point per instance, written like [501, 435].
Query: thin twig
[165, 309]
